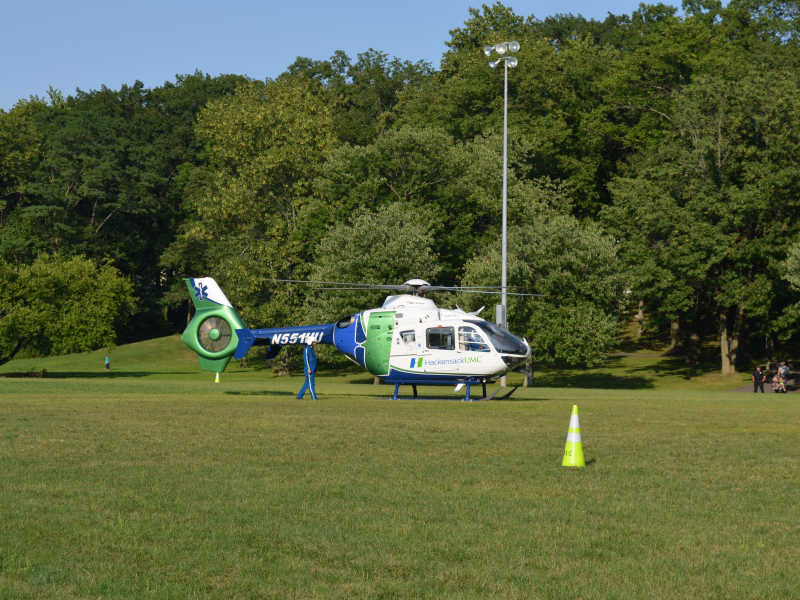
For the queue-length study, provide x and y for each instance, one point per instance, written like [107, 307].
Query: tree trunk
[244, 362]
[735, 335]
[377, 381]
[724, 348]
[770, 347]
[640, 320]
[675, 341]
[729, 339]
[745, 349]
[284, 362]
[528, 372]
[269, 364]
[188, 312]
[13, 353]
[694, 350]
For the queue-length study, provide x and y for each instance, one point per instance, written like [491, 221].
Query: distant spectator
[783, 371]
[107, 364]
[758, 380]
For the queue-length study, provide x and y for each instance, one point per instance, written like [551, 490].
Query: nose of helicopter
[519, 357]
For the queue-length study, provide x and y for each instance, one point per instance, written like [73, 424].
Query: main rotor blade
[480, 287]
[421, 289]
[441, 288]
[369, 286]
[462, 291]
[359, 289]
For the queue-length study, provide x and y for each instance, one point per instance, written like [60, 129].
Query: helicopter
[409, 340]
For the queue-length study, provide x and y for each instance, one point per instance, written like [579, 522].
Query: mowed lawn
[168, 358]
[134, 487]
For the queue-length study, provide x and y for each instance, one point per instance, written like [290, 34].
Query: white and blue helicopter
[407, 341]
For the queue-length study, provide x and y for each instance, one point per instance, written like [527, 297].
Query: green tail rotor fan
[214, 334]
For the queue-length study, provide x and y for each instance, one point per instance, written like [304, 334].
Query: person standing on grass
[758, 380]
[107, 364]
[783, 370]
[309, 368]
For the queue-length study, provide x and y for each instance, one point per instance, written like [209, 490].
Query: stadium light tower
[509, 62]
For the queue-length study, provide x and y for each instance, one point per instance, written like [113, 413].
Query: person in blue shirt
[309, 368]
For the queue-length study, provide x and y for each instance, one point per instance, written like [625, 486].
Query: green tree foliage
[389, 245]
[575, 266]
[457, 183]
[420, 168]
[59, 305]
[102, 173]
[365, 93]
[20, 152]
[708, 214]
[675, 132]
[555, 99]
[267, 143]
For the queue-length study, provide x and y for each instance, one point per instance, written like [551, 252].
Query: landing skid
[467, 398]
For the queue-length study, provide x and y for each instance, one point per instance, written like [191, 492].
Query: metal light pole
[508, 63]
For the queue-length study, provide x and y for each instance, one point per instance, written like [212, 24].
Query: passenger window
[471, 341]
[441, 338]
[409, 337]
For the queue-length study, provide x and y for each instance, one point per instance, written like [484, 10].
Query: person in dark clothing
[758, 380]
[309, 368]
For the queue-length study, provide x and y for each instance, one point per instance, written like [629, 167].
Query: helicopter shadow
[109, 375]
[259, 393]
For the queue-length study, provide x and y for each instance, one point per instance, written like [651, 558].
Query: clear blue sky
[84, 44]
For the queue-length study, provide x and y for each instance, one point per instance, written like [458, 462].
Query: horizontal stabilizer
[246, 340]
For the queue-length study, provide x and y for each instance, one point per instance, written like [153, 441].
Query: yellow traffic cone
[573, 452]
[217, 379]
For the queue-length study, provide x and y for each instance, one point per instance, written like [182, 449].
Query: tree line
[653, 161]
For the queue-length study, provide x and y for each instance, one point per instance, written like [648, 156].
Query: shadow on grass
[605, 381]
[111, 375]
[260, 393]
[636, 377]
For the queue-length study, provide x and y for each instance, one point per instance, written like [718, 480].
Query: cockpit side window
[441, 338]
[408, 337]
[503, 341]
[471, 341]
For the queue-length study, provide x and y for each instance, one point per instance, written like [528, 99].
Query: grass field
[169, 359]
[169, 486]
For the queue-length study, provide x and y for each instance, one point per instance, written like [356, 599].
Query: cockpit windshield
[503, 341]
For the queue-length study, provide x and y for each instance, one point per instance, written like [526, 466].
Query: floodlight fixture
[512, 62]
[500, 49]
[513, 47]
[487, 50]
[494, 64]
